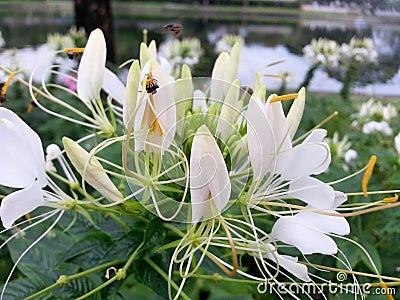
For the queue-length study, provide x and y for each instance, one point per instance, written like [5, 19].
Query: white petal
[312, 191]
[21, 202]
[260, 139]
[316, 135]
[280, 136]
[209, 177]
[199, 100]
[290, 264]
[113, 86]
[305, 237]
[296, 112]
[229, 112]
[165, 111]
[328, 224]
[218, 84]
[21, 152]
[91, 67]
[307, 159]
[340, 198]
[131, 92]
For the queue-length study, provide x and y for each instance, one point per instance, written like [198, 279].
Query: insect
[174, 29]
[151, 84]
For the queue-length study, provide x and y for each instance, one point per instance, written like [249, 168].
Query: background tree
[92, 14]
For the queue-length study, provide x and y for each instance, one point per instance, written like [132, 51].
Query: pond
[266, 41]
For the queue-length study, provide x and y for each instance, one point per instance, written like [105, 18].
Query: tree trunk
[92, 14]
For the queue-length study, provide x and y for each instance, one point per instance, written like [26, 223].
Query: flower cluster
[219, 169]
[330, 54]
[375, 116]
[227, 41]
[361, 50]
[181, 52]
[323, 51]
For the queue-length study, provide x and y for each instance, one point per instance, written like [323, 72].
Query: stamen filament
[284, 97]
[275, 76]
[367, 175]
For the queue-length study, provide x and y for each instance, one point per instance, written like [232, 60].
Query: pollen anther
[367, 175]
[284, 97]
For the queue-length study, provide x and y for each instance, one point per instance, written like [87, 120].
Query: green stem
[71, 184]
[117, 276]
[120, 222]
[165, 276]
[75, 276]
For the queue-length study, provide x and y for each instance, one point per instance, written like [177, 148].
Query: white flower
[227, 41]
[210, 187]
[155, 120]
[382, 126]
[22, 166]
[350, 155]
[323, 51]
[397, 143]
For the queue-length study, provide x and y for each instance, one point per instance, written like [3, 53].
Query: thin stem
[120, 275]
[165, 276]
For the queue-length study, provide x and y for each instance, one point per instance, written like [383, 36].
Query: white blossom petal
[19, 203]
[113, 86]
[312, 191]
[306, 237]
[259, 131]
[91, 67]
[289, 263]
[325, 223]
[316, 135]
[210, 186]
[308, 159]
[21, 153]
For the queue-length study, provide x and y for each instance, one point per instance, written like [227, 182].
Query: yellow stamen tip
[367, 175]
[391, 199]
[73, 50]
[284, 97]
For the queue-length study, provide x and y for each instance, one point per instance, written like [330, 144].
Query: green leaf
[21, 288]
[373, 252]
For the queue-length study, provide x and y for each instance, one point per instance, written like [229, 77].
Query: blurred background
[272, 30]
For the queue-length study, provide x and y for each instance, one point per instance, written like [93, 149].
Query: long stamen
[367, 175]
[232, 244]
[276, 76]
[284, 97]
